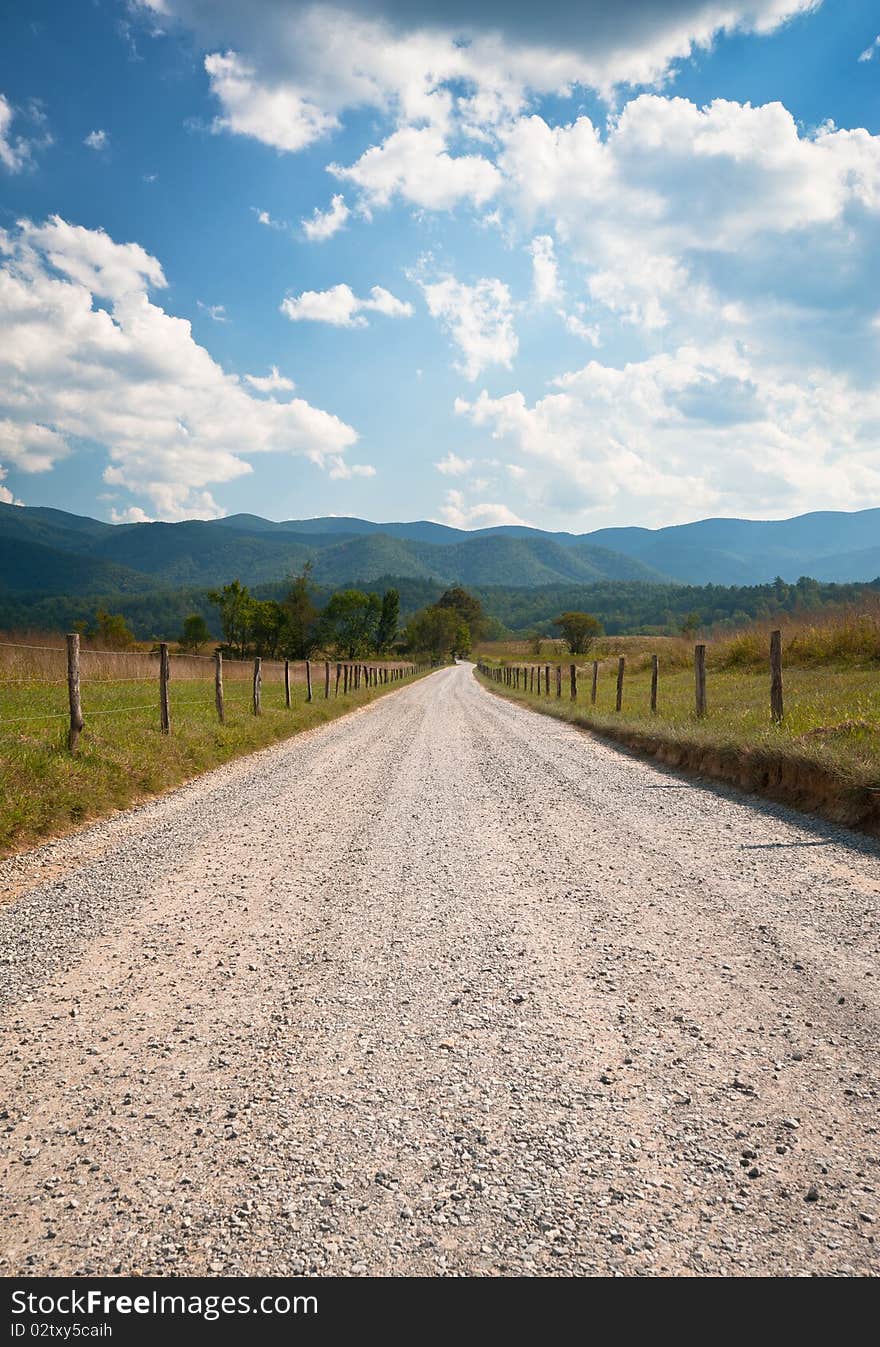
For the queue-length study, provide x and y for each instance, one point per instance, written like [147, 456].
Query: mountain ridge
[825, 545]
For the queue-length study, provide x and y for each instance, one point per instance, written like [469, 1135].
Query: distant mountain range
[48, 552]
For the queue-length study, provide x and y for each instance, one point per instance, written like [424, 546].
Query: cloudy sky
[571, 264]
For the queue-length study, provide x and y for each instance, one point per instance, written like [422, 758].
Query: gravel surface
[445, 987]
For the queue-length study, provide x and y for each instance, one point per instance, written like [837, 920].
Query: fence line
[246, 678]
[529, 678]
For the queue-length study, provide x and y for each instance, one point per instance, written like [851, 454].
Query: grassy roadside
[122, 756]
[823, 758]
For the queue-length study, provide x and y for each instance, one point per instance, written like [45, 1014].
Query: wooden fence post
[776, 702]
[594, 690]
[218, 686]
[73, 694]
[338, 676]
[573, 675]
[621, 667]
[326, 680]
[655, 679]
[308, 680]
[258, 687]
[700, 678]
[164, 675]
[547, 679]
[287, 683]
[559, 680]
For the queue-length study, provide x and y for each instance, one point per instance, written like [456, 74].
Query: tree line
[622, 607]
[352, 624]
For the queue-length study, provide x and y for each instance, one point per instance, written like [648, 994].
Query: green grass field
[122, 755]
[832, 712]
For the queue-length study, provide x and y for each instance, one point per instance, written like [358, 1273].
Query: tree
[236, 615]
[579, 630]
[267, 627]
[301, 616]
[468, 607]
[462, 640]
[195, 633]
[435, 630]
[113, 631]
[388, 620]
[350, 622]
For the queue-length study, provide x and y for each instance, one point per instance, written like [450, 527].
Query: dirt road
[443, 987]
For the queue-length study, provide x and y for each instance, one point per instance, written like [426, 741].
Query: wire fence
[42, 686]
[582, 683]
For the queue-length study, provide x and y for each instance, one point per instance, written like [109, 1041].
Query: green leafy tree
[267, 627]
[435, 631]
[468, 608]
[579, 630]
[463, 640]
[349, 623]
[236, 615]
[301, 616]
[386, 632]
[113, 632]
[195, 633]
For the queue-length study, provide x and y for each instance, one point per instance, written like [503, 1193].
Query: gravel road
[447, 988]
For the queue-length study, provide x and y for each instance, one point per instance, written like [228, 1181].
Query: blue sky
[587, 265]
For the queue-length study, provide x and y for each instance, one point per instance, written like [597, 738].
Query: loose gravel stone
[442, 988]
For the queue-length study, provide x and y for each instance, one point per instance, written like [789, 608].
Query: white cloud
[870, 52]
[453, 466]
[340, 470]
[545, 272]
[129, 377]
[132, 515]
[6, 496]
[414, 163]
[478, 318]
[97, 140]
[341, 307]
[16, 151]
[273, 382]
[284, 72]
[216, 312]
[701, 430]
[30, 447]
[458, 514]
[273, 113]
[266, 219]
[679, 201]
[324, 224]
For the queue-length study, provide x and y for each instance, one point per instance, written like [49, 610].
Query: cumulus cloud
[414, 163]
[453, 466]
[15, 149]
[97, 140]
[458, 514]
[341, 307]
[273, 382]
[695, 431]
[324, 224]
[266, 219]
[271, 112]
[284, 72]
[478, 319]
[129, 376]
[216, 312]
[545, 272]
